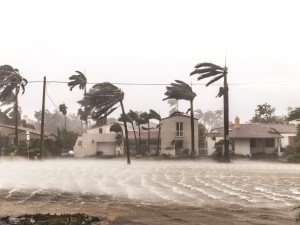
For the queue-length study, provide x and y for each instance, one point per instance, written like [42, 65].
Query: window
[270, 142]
[292, 140]
[100, 130]
[252, 143]
[179, 129]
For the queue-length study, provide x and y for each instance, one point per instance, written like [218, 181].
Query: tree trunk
[149, 149]
[136, 145]
[158, 138]
[226, 121]
[193, 153]
[140, 150]
[16, 109]
[126, 133]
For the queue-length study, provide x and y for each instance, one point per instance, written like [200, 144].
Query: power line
[164, 84]
[50, 98]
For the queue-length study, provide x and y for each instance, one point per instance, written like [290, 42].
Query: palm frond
[210, 74]
[214, 80]
[210, 65]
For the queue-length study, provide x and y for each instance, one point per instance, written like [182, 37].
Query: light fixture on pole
[28, 139]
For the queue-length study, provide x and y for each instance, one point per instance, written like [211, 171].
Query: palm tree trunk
[158, 137]
[126, 133]
[149, 149]
[226, 121]
[65, 123]
[226, 128]
[16, 106]
[192, 129]
[140, 150]
[136, 146]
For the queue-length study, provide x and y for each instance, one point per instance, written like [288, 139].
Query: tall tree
[264, 113]
[146, 117]
[102, 101]
[294, 114]
[154, 115]
[129, 120]
[78, 80]
[63, 110]
[206, 70]
[83, 115]
[138, 121]
[11, 82]
[182, 91]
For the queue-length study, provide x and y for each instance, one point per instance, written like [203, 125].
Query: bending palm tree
[138, 121]
[154, 115]
[182, 91]
[63, 110]
[130, 120]
[79, 80]
[146, 117]
[211, 70]
[10, 81]
[101, 101]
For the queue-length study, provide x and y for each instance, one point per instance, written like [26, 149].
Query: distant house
[144, 141]
[176, 135]
[175, 138]
[7, 133]
[253, 139]
[97, 140]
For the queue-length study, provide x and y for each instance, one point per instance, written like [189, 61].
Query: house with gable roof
[253, 139]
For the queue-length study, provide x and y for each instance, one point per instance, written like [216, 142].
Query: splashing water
[192, 183]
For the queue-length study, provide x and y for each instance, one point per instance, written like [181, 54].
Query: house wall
[168, 132]
[285, 139]
[90, 141]
[10, 132]
[242, 146]
[211, 144]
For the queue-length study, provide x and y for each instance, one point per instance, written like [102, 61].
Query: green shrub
[294, 158]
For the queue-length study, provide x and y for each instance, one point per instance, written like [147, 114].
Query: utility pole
[42, 122]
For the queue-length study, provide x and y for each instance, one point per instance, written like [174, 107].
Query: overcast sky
[157, 41]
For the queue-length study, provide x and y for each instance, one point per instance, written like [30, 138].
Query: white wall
[211, 144]
[242, 146]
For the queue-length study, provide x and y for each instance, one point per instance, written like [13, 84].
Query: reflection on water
[152, 182]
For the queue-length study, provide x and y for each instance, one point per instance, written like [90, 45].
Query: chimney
[237, 122]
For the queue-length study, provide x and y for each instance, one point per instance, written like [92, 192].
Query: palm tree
[79, 80]
[11, 81]
[63, 110]
[182, 91]
[101, 101]
[83, 114]
[146, 118]
[154, 115]
[130, 120]
[138, 121]
[211, 70]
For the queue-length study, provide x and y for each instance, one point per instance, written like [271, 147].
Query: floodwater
[187, 183]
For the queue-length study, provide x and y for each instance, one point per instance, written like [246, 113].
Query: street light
[28, 139]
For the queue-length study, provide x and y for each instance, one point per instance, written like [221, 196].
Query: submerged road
[189, 183]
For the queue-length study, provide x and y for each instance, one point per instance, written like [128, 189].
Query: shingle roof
[144, 135]
[254, 131]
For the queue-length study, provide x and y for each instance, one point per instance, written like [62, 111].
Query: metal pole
[43, 118]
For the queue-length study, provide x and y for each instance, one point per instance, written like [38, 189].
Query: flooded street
[168, 184]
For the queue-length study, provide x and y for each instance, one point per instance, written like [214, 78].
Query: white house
[176, 134]
[98, 139]
[251, 139]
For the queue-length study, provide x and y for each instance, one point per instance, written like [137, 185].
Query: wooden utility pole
[42, 122]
